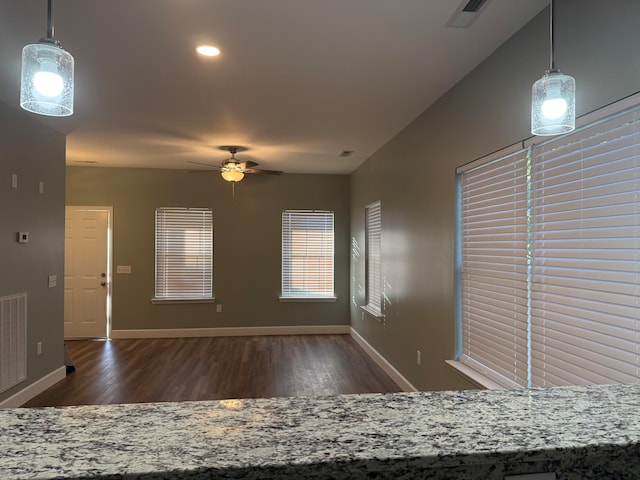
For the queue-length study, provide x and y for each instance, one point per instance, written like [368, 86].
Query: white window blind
[307, 254]
[373, 254]
[184, 253]
[494, 292]
[586, 263]
[582, 254]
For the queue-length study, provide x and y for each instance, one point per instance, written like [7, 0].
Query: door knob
[104, 284]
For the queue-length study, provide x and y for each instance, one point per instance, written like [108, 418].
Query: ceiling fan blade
[205, 164]
[200, 171]
[264, 172]
[247, 164]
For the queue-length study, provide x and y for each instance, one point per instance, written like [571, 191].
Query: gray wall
[414, 174]
[35, 153]
[247, 243]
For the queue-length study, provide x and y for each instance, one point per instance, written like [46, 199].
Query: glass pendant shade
[553, 105]
[232, 175]
[46, 85]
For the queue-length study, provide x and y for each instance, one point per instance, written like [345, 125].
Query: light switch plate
[123, 269]
[53, 280]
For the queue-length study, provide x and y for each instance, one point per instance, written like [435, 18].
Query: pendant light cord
[50, 19]
[50, 29]
[552, 58]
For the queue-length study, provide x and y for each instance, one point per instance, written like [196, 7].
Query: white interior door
[86, 273]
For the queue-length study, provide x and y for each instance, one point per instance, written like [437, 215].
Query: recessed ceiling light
[208, 50]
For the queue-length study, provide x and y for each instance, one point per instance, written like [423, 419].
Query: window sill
[165, 301]
[307, 299]
[371, 312]
[473, 376]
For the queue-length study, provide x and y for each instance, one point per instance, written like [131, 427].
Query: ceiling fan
[233, 170]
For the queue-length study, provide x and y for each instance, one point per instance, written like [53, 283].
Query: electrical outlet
[418, 357]
[39, 348]
[219, 308]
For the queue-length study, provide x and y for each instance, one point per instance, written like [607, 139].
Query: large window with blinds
[307, 254]
[550, 259]
[373, 259]
[184, 254]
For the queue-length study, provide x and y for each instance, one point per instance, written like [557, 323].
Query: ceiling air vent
[473, 6]
[466, 13]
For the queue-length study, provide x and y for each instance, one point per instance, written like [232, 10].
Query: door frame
[109, 278]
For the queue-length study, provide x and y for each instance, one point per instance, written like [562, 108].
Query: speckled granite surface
[578, 432]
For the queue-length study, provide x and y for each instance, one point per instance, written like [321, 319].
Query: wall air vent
[466, 13]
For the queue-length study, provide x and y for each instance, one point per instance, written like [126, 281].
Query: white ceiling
[297, 82]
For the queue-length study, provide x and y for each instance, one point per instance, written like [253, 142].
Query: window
[494, 269]
[550, 259]
[307, 254]
[184, 253]
[585, 280]
[373, 257]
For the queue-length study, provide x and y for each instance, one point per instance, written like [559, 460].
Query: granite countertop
[469, 434]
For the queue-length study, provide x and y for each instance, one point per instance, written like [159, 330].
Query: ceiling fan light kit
[231, 174]
[553, 104]
[46, 85]
[231, 170]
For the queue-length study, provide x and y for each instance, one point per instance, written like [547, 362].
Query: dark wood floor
[181, 369]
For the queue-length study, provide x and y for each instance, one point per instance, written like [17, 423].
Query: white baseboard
[232, 331]
[382, 362]
[36, 388]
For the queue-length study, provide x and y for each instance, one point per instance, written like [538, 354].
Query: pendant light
[553, 105]
[46, 86]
